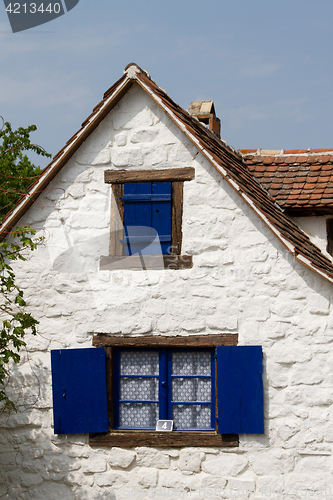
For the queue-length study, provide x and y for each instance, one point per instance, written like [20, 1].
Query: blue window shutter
[147, 207]
[79, 390]
[240, 390]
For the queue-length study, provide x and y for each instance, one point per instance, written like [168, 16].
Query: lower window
[211, 388]
[165, 384]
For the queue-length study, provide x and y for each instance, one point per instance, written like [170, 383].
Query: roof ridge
[282, 152]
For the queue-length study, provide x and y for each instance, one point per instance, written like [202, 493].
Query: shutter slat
[147, 213]
[79, 390]
[240, 390]
[135, 198]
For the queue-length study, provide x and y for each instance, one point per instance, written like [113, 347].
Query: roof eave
[61, 158]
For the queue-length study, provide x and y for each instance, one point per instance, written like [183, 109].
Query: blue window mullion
[137, 401]
[116, 387]
[213, 396]
[163, 383]
[169, 385]
[203, 403]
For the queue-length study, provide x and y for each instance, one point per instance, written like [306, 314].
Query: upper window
[164, 384]
[146, 219]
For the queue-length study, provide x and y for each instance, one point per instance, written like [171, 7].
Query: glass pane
[138, 415]
[139, 363]
[195, 416]
[191, 363]
[191, 389]
[141, 389]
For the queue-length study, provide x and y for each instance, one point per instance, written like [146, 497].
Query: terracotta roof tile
[288, 180]
[324, 159]
[312, 159]
[301, 159]
[298, 185]
[290, 159]
[279, 160]
[308, 170]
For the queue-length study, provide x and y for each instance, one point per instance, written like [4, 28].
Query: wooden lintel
[202, 341]
[166, 175]
[144, 262]
[173, 439]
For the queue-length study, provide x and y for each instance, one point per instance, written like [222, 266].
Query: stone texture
[145, 135]
[94, 465]
[190, 460]
[242, 281]
[147, 477]
[225, 465]
[110, 478]
[149, 456]
[120, 458]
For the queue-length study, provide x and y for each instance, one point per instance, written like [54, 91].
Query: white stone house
[172, 323]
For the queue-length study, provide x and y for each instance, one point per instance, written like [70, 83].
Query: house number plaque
[164, 425]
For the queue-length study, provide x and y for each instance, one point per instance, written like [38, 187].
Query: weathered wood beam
[166, 175]
[101, 339]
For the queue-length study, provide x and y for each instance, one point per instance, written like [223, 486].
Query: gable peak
[132, 69]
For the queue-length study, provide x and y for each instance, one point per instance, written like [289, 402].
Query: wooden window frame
[116, 259]
[131, 438]
[329, 232]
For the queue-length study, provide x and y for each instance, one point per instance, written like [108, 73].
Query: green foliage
[16, 171]
[16, 322]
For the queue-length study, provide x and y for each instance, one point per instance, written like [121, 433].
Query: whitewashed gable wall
[243, 281]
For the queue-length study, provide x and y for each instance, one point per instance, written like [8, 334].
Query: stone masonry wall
[243, 280]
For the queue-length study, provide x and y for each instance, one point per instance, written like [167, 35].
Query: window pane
[139, 389]
[195, 416]
[191, 363]
[139, 363]
[191, 389]
[138, 415]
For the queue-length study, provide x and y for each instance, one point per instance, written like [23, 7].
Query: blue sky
[266, 64]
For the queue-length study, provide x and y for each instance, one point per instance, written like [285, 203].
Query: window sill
[144, 262]
[129, 439]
